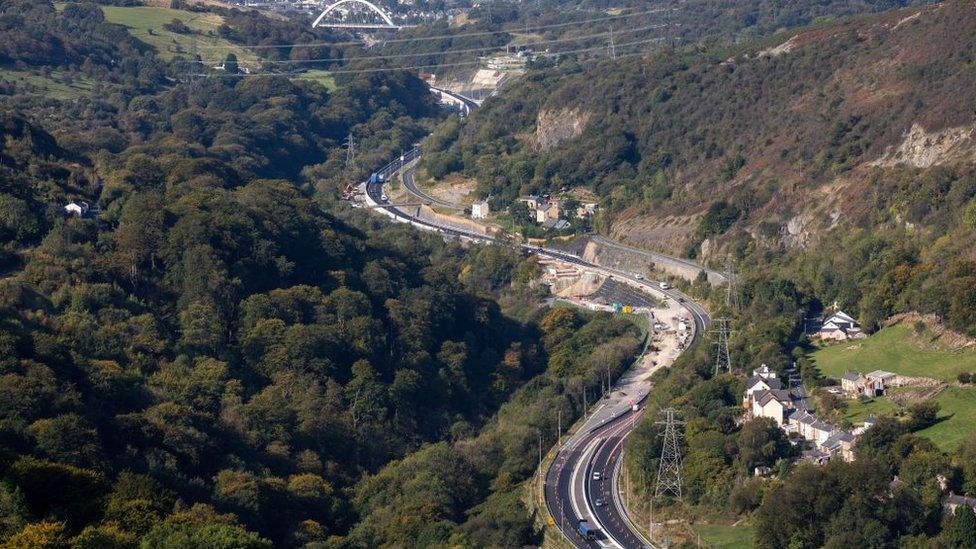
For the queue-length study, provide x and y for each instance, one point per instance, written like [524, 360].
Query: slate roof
[836, 438]
[852, 376]
[772, 383]
[557, 224]
[781, 395]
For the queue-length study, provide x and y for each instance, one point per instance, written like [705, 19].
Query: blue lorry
[588, 532]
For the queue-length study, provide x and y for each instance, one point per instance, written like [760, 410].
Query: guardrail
[397, 164]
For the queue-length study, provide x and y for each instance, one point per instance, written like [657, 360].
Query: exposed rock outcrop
[555, 126]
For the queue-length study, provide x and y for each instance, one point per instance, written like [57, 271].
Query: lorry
[377, 179]
[588, 532]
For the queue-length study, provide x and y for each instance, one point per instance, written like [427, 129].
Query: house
[841, 444]
[840, 327]
[852, 383]
[954, 502]
[556, 224]
[811, 427]
[586, 209]
[77, 208]
[532, 201]
[480, 210]
[773, 403]
[758, 384]
[816, 456]
[764, 372]
[878, 382]
[547, 211]
[868, 423]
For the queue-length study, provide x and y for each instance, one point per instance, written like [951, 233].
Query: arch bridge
[387, 20]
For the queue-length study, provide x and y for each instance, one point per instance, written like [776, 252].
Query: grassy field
[323, 77]
[958, 415]
[895, 349]
[48, 86]
[723, 536]
[858, 411]
[146, 24]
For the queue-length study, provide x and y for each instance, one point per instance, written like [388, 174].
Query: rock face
[555, 126]
[922, 149]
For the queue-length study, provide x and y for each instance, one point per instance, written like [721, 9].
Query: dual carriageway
[573, 491]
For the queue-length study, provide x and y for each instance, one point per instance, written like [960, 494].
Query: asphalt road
[411, 185]
[570, 490]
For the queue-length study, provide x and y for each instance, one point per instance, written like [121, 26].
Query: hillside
[787, 146]
[219, 353]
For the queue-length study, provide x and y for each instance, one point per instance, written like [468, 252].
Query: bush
[746, 496]
[965, 378]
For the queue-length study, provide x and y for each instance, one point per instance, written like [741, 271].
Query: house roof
[556, 224]
[837, 438]
[813, 421]
[870, 420]
[770, 383]
[852, 376]
[780, 395]
[841, 316]
[761, 370]
[880, 374]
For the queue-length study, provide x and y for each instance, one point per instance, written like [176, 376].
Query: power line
[484, 49]
[430, 66]
[443, 36]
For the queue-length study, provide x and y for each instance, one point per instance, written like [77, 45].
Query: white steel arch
[367, 3]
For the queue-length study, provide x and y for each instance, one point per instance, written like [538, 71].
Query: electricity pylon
[731, 288]
[350, 155]
[722, 361]
[669, 469]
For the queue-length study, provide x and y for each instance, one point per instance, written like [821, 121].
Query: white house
[868, 423]
[77, 208]
[758, 384]
[764, 372]
[880, 380]
[774, 404]
[811, 427]
[480, 210]
[839, 327]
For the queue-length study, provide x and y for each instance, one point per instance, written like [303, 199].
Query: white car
[596, 475]
[384, 198]
[665, 286]
[639, 277]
